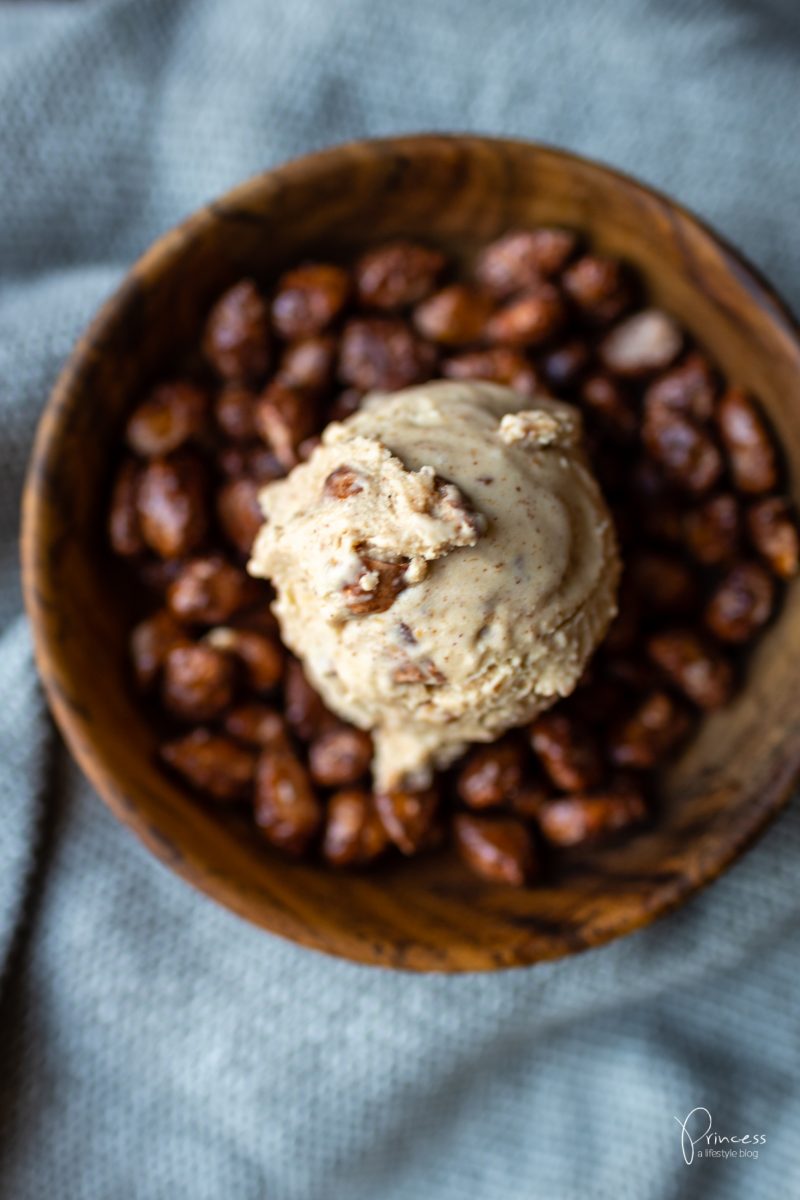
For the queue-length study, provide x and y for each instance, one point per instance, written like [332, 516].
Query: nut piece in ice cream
[444, 565]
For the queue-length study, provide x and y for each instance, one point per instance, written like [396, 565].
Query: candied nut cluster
[688, 464]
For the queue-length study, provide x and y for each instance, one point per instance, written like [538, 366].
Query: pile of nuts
[687, 463]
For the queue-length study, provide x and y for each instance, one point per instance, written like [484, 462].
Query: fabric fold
[25, 744]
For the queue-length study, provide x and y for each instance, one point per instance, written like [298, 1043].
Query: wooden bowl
[428, 914]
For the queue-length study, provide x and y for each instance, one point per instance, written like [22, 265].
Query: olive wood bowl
[426, 914]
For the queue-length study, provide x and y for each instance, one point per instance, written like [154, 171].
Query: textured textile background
[151, 1044]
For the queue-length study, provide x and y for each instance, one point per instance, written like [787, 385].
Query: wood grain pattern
[427, 914]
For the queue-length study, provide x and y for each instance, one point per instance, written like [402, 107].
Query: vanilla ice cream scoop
[444, 565]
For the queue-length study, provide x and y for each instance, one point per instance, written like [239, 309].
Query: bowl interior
[457, 192]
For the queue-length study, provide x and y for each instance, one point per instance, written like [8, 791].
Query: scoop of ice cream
[444, 566]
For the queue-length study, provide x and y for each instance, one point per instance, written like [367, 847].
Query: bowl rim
[76, 730]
